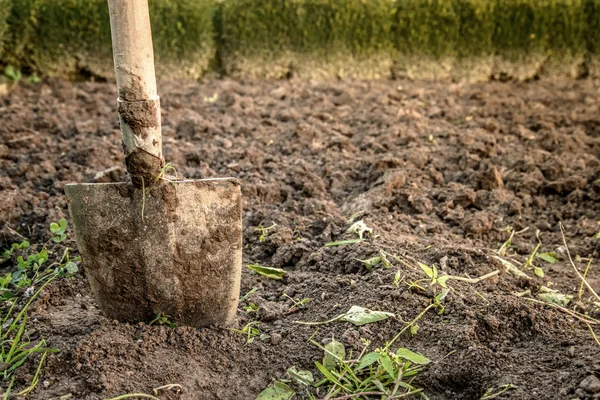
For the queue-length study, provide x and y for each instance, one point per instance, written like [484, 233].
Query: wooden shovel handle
[138, 103]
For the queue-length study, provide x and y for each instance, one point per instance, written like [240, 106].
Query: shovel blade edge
[174, 249]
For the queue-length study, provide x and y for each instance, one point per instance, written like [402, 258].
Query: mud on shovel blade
[154, 246]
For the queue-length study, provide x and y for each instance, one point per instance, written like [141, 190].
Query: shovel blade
[174, 249]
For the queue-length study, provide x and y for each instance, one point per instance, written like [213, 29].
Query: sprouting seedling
[381, 259]
[502, 250]
[538, 271]
[264, 232]
[248, 294]
[251, 307]
[249, 330]
[492, 393]
[297, 303]
[397, 278]
[59, 230]
[163, 170]
[12, 73]
[432, 273]
[162, 319]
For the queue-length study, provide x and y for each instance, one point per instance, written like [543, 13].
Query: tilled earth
[438, 170]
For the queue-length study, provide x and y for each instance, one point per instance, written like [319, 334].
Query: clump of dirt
[438, 170]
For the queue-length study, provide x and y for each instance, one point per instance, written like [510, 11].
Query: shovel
[155, 246]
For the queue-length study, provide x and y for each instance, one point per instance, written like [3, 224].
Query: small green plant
[33, 79]
[163, 171]
[381, 259]
[6, 254]
[264, 232]
[397, 278]
[15, 346]
[250, 307]
[269, 272]
[492, 392]
[12, 74]
[250, 331]
[59, 230]
[162, 319]
[382, 372]
[432, 273]
[297, 303]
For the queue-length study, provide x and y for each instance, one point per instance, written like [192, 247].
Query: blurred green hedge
[4, 12]
[304, 33]
[325, 38]
[66, 37]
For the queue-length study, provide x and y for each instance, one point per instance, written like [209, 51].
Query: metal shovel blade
[174, 249]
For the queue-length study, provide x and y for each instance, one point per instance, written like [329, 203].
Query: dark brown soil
[438, 170]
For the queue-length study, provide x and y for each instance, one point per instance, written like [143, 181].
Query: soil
[438, 170]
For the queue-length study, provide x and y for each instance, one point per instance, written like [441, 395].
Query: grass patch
[28, 269]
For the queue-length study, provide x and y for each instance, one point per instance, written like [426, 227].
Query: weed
[33, 79]
[381, 259]
[250, 332]
[12, 74]
[59, 230]
[297, 303]
[343, 242]
[264, 232]
[397, 278]
[162, 319]
[356, 315]
[248, 294]
[269, 272]
[492, 393]
[583, 279]
[163, 171]
[251, 307]
[31, 274]
[378, 373]
[277, 391]
[15, 348]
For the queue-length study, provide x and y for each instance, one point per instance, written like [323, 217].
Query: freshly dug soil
[438, 170]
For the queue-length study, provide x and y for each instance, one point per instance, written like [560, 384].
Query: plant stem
[571, 313]
[580, 292]
[132, 395]
[583, 280]
[411, 323]
[350, 396]
[475, 280]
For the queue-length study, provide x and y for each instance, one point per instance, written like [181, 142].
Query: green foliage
[12, 74]
[183, 34]
[30, 270]
[378, 373]
[62, 37]
[426, 26]
[540, 25]
[592, 12]
[5, 8]
[306, 25]
[264, 232]
[59, 230]
[269, 272]
[162, 319]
